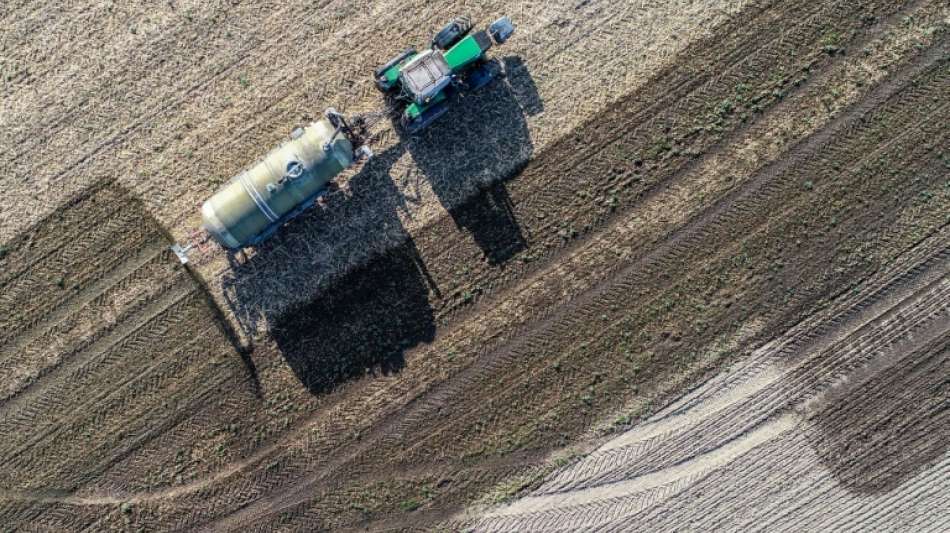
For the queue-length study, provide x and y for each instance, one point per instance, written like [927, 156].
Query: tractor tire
[378, 73]
[423, 121]
[452, 33]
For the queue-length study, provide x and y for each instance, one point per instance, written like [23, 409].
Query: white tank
[253, 204]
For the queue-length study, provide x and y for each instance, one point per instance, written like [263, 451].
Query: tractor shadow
[365, 320]
[469, 153]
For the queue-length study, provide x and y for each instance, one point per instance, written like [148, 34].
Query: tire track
[66, 352]
[24, 312]
[941, 344]
[719, 457]
[77, 217]
[120, 277]
[916, 338]
[135, 396]
[48, 395]
[710, 433]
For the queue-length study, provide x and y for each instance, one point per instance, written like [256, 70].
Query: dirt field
[692, 273]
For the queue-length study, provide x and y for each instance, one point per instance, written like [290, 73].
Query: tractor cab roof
[426, 75]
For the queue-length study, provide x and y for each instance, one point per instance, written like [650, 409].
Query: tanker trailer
[254, 204]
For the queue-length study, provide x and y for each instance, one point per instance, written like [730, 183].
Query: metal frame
[426, 61]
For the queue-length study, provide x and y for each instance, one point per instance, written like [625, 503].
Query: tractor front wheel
[452, 33]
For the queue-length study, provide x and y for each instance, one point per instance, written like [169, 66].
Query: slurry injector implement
[253, 205]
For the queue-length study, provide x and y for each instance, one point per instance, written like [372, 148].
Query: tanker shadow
[366, 319]
[480, 143]
[362, 325]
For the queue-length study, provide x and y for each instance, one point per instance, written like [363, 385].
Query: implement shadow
[362, 325]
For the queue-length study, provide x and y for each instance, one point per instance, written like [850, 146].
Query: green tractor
[424, 82]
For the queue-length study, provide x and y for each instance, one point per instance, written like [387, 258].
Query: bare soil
[512, 304]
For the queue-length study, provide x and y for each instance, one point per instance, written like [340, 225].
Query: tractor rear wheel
[378, 74]
[452, 33]
[414, 126]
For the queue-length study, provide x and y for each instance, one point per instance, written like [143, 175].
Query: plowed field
[685, 267]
